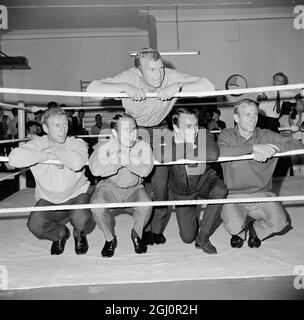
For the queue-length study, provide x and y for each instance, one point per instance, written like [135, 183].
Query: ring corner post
[21, 135]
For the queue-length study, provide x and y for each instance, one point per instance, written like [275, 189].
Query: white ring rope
[11, 174]
[186, 161]
[14, 140]
[153, 204]
[62, 93]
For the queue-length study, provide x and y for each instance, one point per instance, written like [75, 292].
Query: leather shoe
[109, 248]
[139, 246]
[81, 245]
[253, 240]
[58, 246]
[207, 246]
[236, 241]
[147, 238]
[159, 238]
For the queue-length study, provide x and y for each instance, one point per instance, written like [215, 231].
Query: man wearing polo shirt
[150, 75]
[251, 178]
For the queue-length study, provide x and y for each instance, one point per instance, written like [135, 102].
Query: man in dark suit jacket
[193, 181]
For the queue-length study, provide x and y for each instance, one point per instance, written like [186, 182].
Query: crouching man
[122, 161]
[63, 184]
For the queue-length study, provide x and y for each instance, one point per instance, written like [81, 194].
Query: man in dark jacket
[193, 181]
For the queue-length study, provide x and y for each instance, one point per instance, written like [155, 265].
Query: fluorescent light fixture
[171, 53]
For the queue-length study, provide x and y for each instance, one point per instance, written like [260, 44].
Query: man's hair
[31, 123]
[146, 53]
[243, 102]
[81, 110]
[52, 112]
[52, 104]
[98, 115]
[298, 96]
[218, 112]
[118, 117]
[281, 74]
[14, 111]
[176, 114]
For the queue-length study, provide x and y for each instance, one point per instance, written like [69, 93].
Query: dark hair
[81, 110]
[118, 117]
[52, 112]
[31, 123]
[52, 104]
[176, 114]
[298, 96]
[98, 115]
[146, 53]
[217, 111]
[281, 74]
[244, 101]
[14, 111]
[287, 107]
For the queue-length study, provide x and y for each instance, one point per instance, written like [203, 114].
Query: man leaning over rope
[150, 75]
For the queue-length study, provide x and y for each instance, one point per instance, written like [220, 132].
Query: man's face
[127, 132]
[98, 119]
[153, 72]
[81, 114]
[279, 81]
[57, 128]
[247, 117]
[215, 116]
[188, 125]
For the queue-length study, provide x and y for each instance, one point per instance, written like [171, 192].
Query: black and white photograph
[151, 153]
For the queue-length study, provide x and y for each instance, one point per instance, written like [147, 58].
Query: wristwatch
[180, 86]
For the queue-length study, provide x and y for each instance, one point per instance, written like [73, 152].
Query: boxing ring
[174, 270]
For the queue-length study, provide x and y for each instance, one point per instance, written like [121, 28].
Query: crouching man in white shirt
[63, 184]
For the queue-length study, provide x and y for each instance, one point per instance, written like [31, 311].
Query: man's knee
[279, 221]
[35, 224]
[187, 237]
[219, 190]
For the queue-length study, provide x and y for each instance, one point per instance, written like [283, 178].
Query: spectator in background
[271, 104]
[78, 124]
[217, 122]
[52, 104]
[293, 118]
[38, 116]
[33, 129]
[98, 124]
[12, 130]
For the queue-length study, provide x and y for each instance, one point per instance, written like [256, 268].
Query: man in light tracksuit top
[122, 162]
[63, 184]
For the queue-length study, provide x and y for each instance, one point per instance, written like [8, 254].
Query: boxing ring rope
[187, 161]
[22, 108]
[153, 204]
[79, 94]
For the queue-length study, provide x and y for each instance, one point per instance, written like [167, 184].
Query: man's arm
[103, 162]
[74, 156]
[141, 160]
[28, 155]
[212, 148]
[283, 143]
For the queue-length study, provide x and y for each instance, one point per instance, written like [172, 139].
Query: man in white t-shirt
[149, 75]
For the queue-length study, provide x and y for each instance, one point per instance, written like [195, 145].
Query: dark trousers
[268, 123]
[159, 192]
[157, 185]
[188, 216]
[50, 225]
